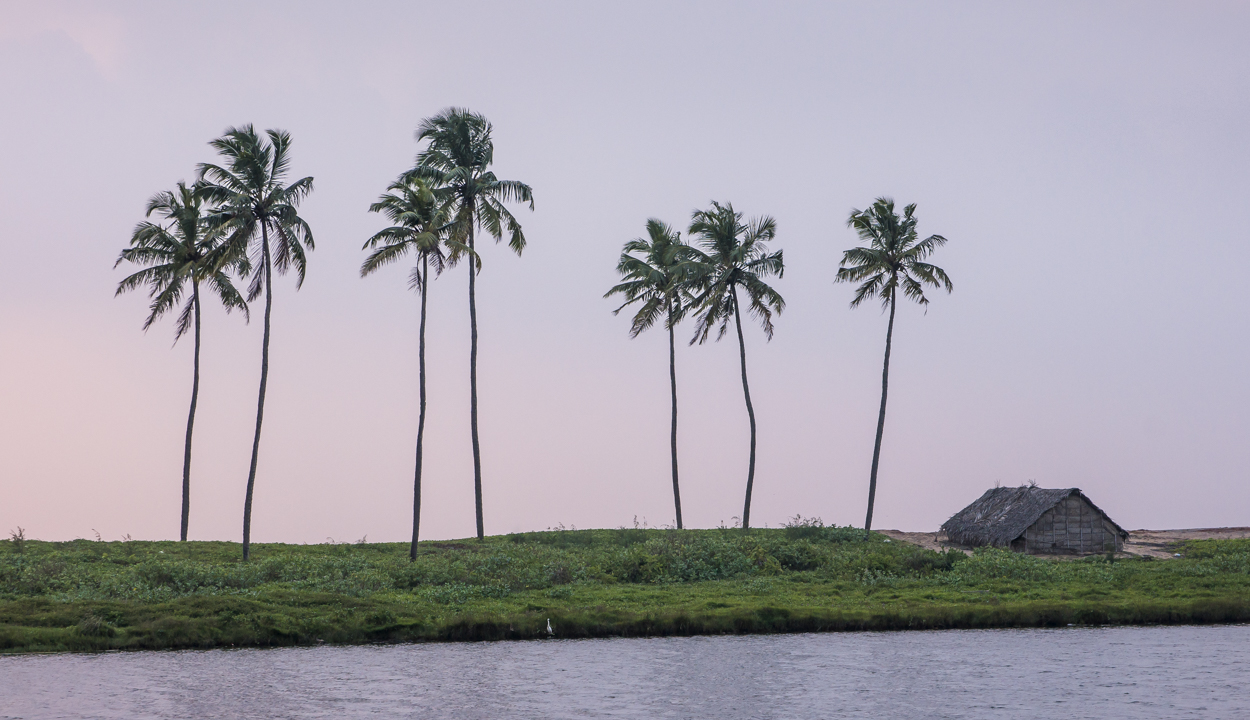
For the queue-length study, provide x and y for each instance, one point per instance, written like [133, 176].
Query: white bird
[549, 630]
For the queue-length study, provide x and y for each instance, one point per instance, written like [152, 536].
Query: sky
[1086, 160]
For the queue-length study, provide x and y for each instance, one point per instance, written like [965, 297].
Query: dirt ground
[1155, 543]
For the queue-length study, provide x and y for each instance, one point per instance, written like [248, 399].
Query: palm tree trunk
[416, 486]
[672, 377]
[260, 403]
[195, 394]
[746, 391]
[876, 450]
[477, 453]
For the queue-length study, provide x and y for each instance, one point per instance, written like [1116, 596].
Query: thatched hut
[1036, 520]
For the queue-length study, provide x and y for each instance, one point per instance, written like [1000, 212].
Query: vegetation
[183, 250]
[456, 165]
[259, 214]
[84, 595]
[894, 260]
[419, 226]
[731, 256]
[652, 279]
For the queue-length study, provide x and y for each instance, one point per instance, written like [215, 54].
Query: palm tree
[651, 279]
[892, 261]
[419, 226]
[259, 214]
[733, 256]
[455, 165]
[173, 254]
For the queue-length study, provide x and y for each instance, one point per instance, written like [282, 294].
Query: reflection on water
[1162, 672]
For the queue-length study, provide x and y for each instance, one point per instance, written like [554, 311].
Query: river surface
[1070, 673]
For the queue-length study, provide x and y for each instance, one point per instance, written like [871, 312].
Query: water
[1161, 672]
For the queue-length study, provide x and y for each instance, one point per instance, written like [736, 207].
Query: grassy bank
[84, 595]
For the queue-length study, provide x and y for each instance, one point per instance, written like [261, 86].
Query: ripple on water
[1070, 673]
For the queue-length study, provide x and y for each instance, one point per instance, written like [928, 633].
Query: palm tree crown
[650, 277]
[180, 251]
[455, 164]
[733, 255]
[419, 226]
[894, 257]
[252, 202]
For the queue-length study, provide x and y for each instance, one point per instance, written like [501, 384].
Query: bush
[927, 562]
[139, 571]
[813, 528]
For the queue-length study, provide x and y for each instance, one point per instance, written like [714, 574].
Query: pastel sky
[1087, 160]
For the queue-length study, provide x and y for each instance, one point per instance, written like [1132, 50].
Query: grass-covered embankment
[84, 595]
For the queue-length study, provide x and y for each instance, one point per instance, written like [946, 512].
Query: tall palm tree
[183, 250]
[456, 165]
[892, 261]
[419, 227]
[733, 256]
[259, 213]
[651, 278]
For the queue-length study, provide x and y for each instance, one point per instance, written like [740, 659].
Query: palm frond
[230, 297]
[185, 319]
[930, 275]
[257, 283]
[381, 257]
[298, 259]
[912, 289]
[164, 301]
[510, 191]
[280, 141]
[767, 265]
[157, 277]
[193, 245]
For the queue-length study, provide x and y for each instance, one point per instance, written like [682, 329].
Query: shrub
[17, 538]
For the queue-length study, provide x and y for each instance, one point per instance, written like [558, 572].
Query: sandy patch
[927, 540]
[1155, 543]
[1162, 543]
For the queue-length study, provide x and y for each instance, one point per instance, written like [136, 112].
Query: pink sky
[1087, 162]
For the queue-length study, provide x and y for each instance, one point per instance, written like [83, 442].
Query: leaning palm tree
[419, 227]
[456, 165]
[258, 212]
[173, 254]
[732, 256]
[651, 278]
[892, 261]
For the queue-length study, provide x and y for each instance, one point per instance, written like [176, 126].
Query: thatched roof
[1002, 514]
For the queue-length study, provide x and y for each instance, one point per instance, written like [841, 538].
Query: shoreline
[89, 597]
[220, 633]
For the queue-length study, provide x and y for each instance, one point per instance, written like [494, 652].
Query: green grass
[84, 595]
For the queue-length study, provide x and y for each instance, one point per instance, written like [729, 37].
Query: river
[1069, 673]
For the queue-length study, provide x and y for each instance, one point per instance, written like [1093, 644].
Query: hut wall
[1072, 526]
